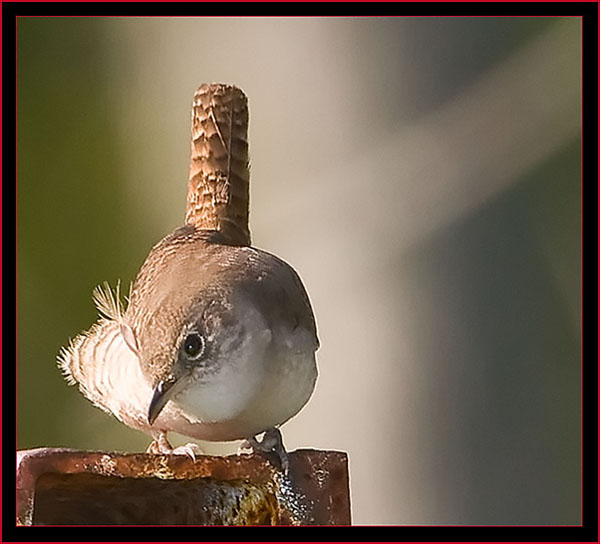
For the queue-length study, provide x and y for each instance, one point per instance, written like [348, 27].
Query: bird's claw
[161, 446]
[271, 447]
[190, 449]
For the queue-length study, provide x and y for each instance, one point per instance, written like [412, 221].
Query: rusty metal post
[71, 487]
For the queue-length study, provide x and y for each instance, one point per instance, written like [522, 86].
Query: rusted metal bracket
[71, 487]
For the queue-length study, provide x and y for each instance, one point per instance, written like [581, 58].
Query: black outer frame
[587, 532]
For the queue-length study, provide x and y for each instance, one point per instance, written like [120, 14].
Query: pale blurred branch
[477, 144]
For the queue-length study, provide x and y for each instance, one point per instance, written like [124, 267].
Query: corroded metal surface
[61, 486]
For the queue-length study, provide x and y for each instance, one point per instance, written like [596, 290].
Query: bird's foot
[271, 447]
[190, 449]
[161, 446]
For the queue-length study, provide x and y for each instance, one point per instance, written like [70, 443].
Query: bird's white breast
[257, 388]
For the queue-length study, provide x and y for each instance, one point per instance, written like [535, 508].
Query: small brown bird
[218, 339]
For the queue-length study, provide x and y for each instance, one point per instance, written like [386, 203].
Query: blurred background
[423, 177]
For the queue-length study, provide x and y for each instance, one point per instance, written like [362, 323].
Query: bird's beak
[163, 391]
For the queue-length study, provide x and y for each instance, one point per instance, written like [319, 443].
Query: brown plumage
[188, 269]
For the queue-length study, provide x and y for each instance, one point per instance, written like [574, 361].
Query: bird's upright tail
[218, 187]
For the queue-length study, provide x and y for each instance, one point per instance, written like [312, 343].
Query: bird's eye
[193, 345]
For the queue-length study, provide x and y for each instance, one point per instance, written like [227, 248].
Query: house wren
[218, 339]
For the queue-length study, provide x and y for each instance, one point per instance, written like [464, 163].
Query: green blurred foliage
[72, 231]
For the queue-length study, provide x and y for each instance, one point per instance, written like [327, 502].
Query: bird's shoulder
[274, 285]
